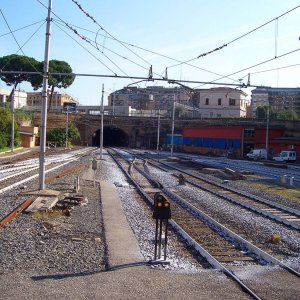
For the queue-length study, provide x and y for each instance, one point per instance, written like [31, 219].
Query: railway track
[16, 184]
[17, 173]
[279, 213]
[274, 211]
[217, 244]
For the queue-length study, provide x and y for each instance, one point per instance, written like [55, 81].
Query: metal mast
[173, 123]
[101, 130]
[12, 139]
[44, 102]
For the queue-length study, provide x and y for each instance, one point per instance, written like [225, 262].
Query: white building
[20, 98]
[221, 102]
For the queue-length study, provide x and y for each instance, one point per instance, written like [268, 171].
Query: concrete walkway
[122, 245]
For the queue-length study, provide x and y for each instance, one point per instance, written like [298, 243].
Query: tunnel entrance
[112, 137]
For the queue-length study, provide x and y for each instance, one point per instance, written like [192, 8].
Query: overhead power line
[117, 54]
[170, 80]
[146, 50]
[258, 64]
[86, 50]
[20, 48]
[237, 38]
[21, 28]
[91, 43]
[104, 30]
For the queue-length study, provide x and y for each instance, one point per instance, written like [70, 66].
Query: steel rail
[76, 157]
[17, 174]
[221, 228]
[16, 212]
[211, 260]
[245, 205]
[257, 198]
[232, 236]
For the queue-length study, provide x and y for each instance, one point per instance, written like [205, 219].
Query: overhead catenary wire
[256, 65]
[20, 48]
[81, 36]
[170, 80]
[32, 35]
[86, 40]
[92, 53]
[113, 37]
[122, 43]
[104, 47]
[146, 50]
[273, 69]
[86, 50]
[238, 38]
[21, 28]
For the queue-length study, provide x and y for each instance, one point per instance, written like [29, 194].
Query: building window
[219, 101]
[249, 133]
[231, 102]
[207, 101]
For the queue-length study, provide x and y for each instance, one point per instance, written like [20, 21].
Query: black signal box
[162, 207]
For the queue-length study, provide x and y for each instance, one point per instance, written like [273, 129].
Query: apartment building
[34, 101]
[221, 102]
[20, 98]
[279, 98]
[150, 98]
[205, 103]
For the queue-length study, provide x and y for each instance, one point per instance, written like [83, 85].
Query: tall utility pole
[173, 123]
[267, 130]
[67, 127]
[101, 130]
[12, 139]
[158, 129]
[44, 102]
[113, 100]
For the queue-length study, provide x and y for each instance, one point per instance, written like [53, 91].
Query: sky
[127, 37]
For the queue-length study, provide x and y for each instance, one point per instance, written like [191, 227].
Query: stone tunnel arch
[112, 137]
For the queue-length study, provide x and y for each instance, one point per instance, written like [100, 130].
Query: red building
[218, 140]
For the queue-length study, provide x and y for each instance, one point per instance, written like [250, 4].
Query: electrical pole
[44, 102]
[101, 130]
[113, 100]
[267, 131]
[158, 129]
[67, 125]
[173, 123]
[12, 140]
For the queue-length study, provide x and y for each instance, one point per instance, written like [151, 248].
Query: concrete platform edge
[122, 246]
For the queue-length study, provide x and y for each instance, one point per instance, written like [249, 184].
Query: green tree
[58, 135]
[16, 62]
[262, 112]
[59, 81]
[5, 128]
[287, 115]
